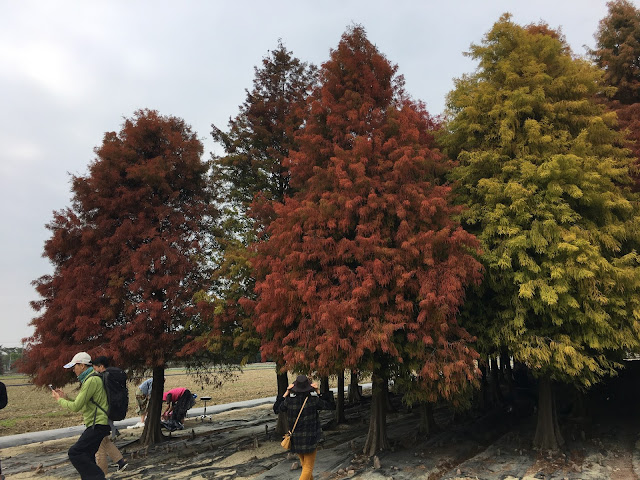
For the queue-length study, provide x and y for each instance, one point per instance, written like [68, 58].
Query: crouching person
[82, 454]
[179, 400]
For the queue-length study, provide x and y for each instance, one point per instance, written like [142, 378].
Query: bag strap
[95, 414]
[299, 413]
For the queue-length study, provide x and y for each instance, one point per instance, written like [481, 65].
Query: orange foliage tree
[127, 257]
[364, 267]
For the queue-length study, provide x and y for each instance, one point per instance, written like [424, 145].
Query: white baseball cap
[80, 357]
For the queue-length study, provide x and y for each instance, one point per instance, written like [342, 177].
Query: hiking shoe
[121, 468]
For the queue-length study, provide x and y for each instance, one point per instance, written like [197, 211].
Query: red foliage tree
[617, 53]
[617, 47]
[126, 256]
[364, 267]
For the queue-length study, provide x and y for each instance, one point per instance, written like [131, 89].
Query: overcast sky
[72, 70]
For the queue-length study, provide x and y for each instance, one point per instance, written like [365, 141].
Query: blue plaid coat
[305, 437]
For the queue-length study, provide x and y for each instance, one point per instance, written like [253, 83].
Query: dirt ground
[242, 445]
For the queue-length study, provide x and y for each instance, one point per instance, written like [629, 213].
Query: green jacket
[92, 387]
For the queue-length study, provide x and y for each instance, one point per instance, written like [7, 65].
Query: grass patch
[8, 423]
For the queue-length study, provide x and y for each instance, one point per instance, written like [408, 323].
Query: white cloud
[50, 67]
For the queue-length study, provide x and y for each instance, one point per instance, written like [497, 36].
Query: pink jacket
[176, 393]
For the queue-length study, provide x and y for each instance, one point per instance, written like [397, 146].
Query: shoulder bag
[286, 441]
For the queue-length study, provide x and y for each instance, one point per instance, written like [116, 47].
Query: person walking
[301, 399]
[3, 403]
[107, 447]
[82, 454]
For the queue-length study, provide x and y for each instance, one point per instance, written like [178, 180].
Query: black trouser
[83, 453]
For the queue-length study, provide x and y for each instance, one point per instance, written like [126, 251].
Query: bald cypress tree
[250, 177]
[617, 53]
[541, 172]
[127, 257]
[364, 267]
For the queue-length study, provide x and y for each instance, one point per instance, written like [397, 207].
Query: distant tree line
[8, 358]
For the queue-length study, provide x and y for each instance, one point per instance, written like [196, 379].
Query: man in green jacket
[82, 454]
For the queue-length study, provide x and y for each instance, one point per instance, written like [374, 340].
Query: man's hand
[58, 394]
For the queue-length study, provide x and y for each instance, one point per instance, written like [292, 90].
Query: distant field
[31, 408]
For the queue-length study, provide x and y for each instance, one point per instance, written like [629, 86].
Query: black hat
[302, 385]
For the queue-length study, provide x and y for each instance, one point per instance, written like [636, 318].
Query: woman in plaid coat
[304, 439]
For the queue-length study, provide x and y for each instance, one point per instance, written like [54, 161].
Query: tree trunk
[354, 388]
[579, 410]
[340, 418]
[282, 425]
[152, 432]
[427, 422]
[505, 364]
[324, 385]
[377, 436]
[548, 436]
[483, 396]
[496, 393]
[389, 407]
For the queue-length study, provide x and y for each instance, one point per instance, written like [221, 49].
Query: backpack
[3, 395]
[114, 380]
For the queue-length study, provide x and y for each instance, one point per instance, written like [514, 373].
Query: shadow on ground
[600, 434]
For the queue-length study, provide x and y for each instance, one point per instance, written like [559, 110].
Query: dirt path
[242, 445]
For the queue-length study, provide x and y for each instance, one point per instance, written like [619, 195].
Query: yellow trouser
[107, 447]
[306, 461]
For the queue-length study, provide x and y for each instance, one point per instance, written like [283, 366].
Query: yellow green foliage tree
[545, 179]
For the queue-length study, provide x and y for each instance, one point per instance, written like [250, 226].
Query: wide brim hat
[80, 357]
[302, 385]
